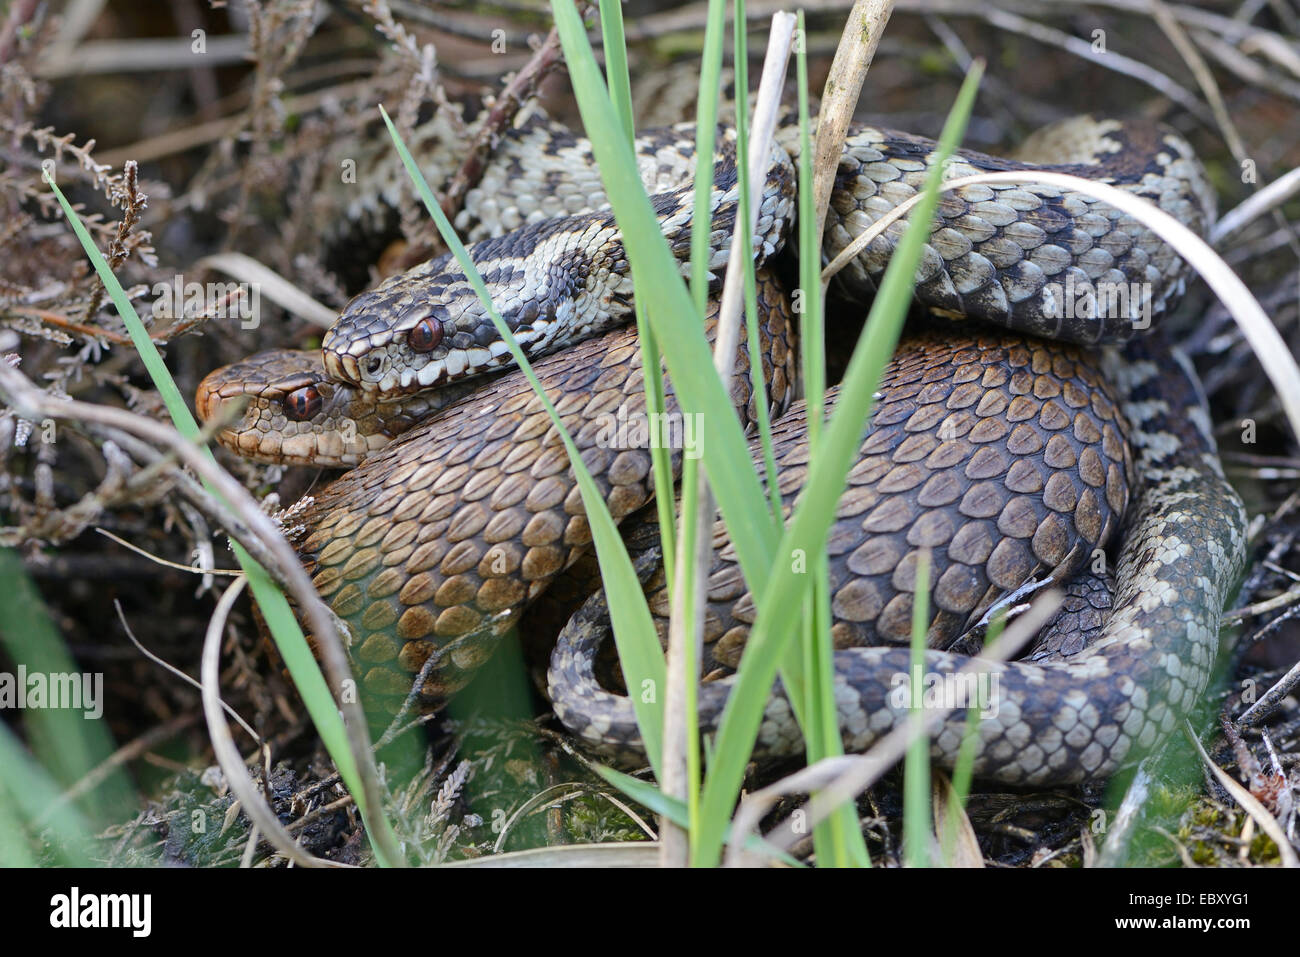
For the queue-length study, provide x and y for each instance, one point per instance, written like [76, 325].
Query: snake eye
[425, 336]
[302, 404]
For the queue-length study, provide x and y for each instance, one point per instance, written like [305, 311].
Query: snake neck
[553, 282]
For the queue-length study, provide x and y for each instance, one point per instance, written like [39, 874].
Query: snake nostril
[374, 366]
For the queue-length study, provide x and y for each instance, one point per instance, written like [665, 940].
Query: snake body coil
[1008, 457]
[1063, 718]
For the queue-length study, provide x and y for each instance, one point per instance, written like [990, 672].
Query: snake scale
[1013, 456]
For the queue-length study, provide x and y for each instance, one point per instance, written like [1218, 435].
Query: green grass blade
[812, 337]
[669, 306]
[67, 743]
[691, 522]
[616, 73]
[694, 523]
[661, 804]
[27, 792]
[279, 617]
[779, 603]
[916, 765]
[661, 462]
[963, 770]
[638, 645]
[706, 127]
[763, 418]
[620, 92]
[809, 666]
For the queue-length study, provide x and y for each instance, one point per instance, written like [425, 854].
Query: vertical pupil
[426, 335]
[302, 404]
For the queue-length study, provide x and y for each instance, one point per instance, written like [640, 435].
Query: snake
[1017, 441]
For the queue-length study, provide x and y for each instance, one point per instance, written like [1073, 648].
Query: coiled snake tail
[1078, 718]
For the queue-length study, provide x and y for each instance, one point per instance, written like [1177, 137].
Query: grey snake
[1012, 456]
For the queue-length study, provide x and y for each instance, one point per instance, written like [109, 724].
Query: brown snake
[1008, 457]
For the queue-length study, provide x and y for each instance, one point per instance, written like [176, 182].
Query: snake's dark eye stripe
[302, 404]
[425, 336]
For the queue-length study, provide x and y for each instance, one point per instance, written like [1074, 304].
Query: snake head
[427, 327]
[294, 414]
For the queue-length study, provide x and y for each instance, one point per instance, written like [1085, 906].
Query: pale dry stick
[159, 560]
[223, 745]
[674, 848]
[1282, 9]
[1204, 78]
[857, 48]
[863, 29]
[836, 781]
[141, 54]
[522, 86]
[558, 793]
[1191, 15]
[1210, 88]
[1258, 813]
[1275, 48]
[1262, 608]
[1264, 339]
[1256, 205]
[686, 18]
[957, 842]
[691, 17]
[32, 403]
[1250, 71]
[623, 854]
[1117, 62]
[75, 21]
[1271, 698]
[20, 13]
[271, 284]
[754, 807]
[172, 669]
[250, 845]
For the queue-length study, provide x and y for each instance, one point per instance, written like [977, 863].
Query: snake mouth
[214, 391]
[342, 367]
[207, 397]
